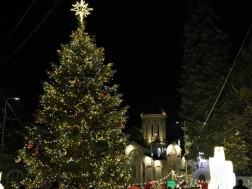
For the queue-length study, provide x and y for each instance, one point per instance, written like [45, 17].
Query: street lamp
[185, 150]
[152, 169]
[4, 122]
[186, 162]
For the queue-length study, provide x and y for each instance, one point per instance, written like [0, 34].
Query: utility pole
[153, 138]
[186, 163]
[4, 124]
[3, 128]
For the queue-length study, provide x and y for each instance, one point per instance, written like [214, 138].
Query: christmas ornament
[71, 159]
[104, 95]
[83, 139]
[99, 136]
[81, 9]
[35, 152]
[18, 159]
[63, 152]
[122, 125]
[37, 120]
[29, 146]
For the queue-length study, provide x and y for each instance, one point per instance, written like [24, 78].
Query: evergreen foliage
[239, 143]
[216, 106]
[205, 67]
[77, 136]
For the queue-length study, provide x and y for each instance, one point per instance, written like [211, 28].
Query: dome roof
[174, 149]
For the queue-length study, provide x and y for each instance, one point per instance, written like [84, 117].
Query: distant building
[152, 156]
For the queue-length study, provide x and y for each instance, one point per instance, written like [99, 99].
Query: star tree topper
[81, 9]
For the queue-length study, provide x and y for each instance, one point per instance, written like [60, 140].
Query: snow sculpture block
[221, 171]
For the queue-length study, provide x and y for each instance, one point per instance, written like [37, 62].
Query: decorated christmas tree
[77, 136]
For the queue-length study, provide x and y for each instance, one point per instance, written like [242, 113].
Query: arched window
[14, 176]
[136, 165]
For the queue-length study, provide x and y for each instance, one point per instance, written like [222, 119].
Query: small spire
[81, 9]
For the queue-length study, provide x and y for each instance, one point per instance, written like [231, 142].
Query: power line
[225, 80]
[14, 29]
[29, 36]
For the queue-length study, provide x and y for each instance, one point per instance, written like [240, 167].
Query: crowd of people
[240, 185]
[56, 185]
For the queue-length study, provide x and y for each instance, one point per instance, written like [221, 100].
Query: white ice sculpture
[221, 171]
[1, 186]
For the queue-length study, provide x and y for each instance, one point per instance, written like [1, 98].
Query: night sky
[142, 39]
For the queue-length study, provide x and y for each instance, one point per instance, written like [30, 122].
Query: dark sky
[141, 38]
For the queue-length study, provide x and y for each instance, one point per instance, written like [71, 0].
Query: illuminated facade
[160, 161]
[154, 159]
[222, 175]
[200, 168]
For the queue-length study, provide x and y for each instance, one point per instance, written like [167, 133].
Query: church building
[153, 157]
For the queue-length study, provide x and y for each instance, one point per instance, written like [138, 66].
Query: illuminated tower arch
[154, 125]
